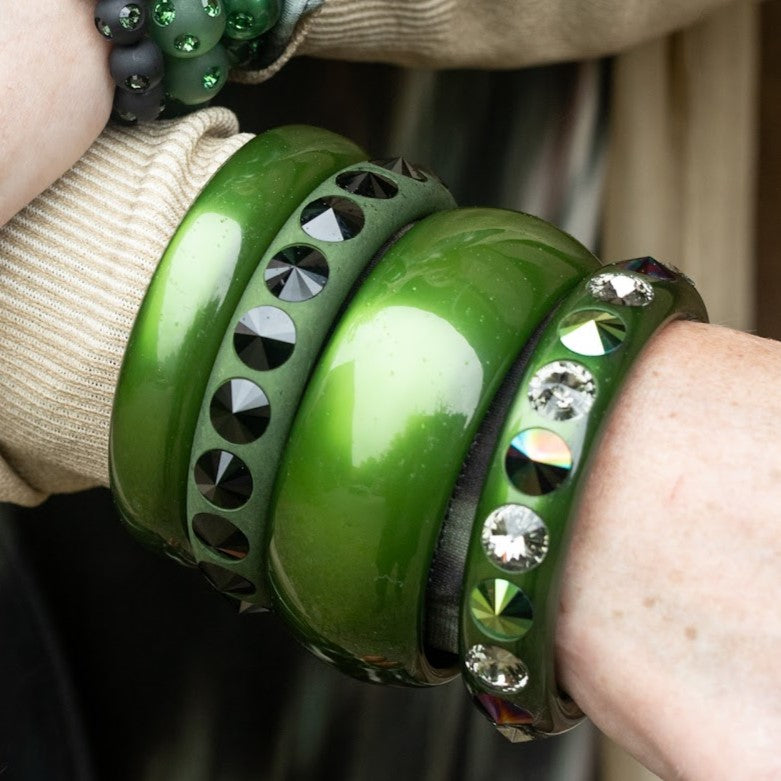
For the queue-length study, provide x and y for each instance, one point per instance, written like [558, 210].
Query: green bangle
[185, 312]
[513, 568]
[270, 348]
[386, 422]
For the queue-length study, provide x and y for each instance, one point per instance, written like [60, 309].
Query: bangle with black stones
[270, 349]
[513, 568]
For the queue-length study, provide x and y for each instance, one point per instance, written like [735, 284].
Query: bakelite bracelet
[512, 578]
[269, 350]
[184, 314]
[386, 423]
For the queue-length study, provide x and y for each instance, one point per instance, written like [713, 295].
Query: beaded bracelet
[190, 300]
[386, 422]
[511, 584]
[178, 51]
[269, 350]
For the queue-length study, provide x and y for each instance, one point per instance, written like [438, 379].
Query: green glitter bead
[197, 79]
[187, 28]
[248, 19]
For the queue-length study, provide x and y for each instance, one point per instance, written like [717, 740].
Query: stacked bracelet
[178, 51]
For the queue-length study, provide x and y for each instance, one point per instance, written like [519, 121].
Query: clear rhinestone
[562, 390]
[512, 721]
[651, 268]
[103, 28]
[223, 479]
[130, 16]
[164, 12]
[515, 538]
[537, 461]
[240, 21]
[402, 167]
[212, 77]
[332, 218]
[224, 580]
[211, 7]
[501, 609]
[137, 82]
[621, 289]
[496, 667]
[240, 411]
[368, 184]
[187, 43]
[221, 536]
[296, 273]
[264, 338]
[592, 332]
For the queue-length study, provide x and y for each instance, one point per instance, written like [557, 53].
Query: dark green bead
[198, 79]
[187, 28]
[247, 19]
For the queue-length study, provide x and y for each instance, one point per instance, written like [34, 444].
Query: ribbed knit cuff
[74, 266]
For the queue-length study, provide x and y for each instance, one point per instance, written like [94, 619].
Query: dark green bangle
[185, 312]
[511, 585]
[269, 351]
[386, 422]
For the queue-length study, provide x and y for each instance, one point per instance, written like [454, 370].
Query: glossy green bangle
[511, 584]
[385, 425]
[185, 312]
[270, 349]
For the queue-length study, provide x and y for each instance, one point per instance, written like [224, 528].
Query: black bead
[139, 106]
[137, 68]
[121, 21]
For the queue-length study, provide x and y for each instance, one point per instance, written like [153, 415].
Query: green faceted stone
[103, 29]
[248, 19]
[212, 7]
[592, 332]
[130, 16]
[197, 79]
[164, 12]
[501, 609]
[187, 43]
[211, 78]
[187, 28]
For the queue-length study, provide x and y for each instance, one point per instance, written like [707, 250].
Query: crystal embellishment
[264, 338]
[651, 268]
[562, 390]
[332, 218]
[224, 580]
[496, 668]
[137, 82]
[187, 43]
[621, 289]
[211, 78]
[510, 720]
[515, 538]
[240, 411]
[296, 273]
[240, 21]
[164, 12]
[537, 461]
[130, 16]
[501, 609]
[221, 536]
[223, 479]
[592, 332]
[402, 167]
[211, 7]
[368, 184]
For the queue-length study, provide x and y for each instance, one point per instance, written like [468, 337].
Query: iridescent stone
[592, 332]
[211, 7]
[130, 16]
[562, 390]
[264, 338]
[137, 82]
[501, 609]
[537, 461]
[496, 668]
[223, 479]
[621, 289]
[515, 538]
[221, 536]
[187, 43]
[651, 268]
[296, 273]
[510, 720]
[368, 184]
[332, 218]
[240, 411]
[211, 78]
[402, 167]
[224, 580]
[164, 12]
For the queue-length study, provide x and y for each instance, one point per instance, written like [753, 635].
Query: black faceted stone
[402, 167]
[368, 184]
[221, 536]
[264, 338]
[332, 218]
[223, 479]
[121, 21]
[240, 411]
[537, 461]
[139, 106]
[136, 68]
[224, 580]
[296, 273]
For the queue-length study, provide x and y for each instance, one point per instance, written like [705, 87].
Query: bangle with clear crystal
[511, 581]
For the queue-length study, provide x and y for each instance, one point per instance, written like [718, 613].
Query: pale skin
[669, 635]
